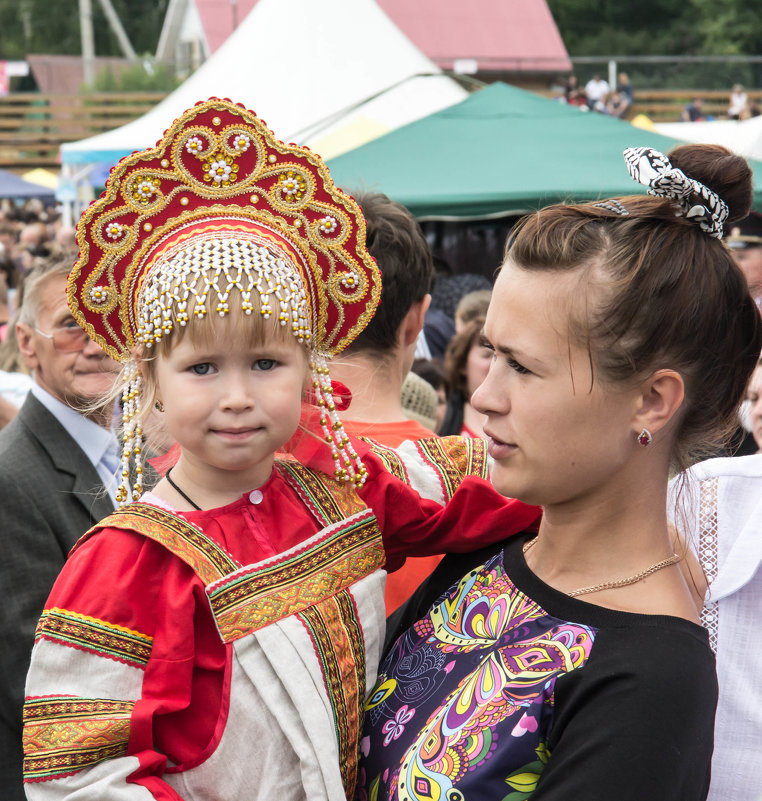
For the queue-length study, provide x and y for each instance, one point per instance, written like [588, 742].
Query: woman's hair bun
[722, 171]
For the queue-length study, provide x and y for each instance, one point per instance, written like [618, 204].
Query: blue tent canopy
[13, 186]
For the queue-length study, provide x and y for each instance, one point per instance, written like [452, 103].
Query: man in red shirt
[374, 366]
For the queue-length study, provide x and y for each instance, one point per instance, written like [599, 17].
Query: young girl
[216, 640]
[572, 665]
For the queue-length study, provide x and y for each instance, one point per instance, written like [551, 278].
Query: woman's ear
[662, 395]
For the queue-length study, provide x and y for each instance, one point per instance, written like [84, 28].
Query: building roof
[501, 35]
[220, 18]
[62, 75]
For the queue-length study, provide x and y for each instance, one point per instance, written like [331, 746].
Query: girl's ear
[148, 374]
[662, 395]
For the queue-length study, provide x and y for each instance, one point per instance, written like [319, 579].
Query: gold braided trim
[329, 501]
[454, 458]
[64, 735]
[391, 460]
[339, 645]
[208, 560]
[98, 636]
[255, 597]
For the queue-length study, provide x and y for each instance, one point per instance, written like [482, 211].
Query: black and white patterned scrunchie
[653, 169]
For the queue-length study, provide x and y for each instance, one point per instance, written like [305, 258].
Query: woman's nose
[488, 397]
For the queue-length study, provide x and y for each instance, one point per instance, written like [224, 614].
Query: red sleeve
[125, 580]
[475, 516]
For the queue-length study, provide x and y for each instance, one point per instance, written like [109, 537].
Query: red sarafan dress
[227, 653]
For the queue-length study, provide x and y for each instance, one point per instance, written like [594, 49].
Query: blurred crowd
[598, 95]
[617, 101]
[31, 235]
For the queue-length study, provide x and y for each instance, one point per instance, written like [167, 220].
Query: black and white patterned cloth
[615, 205]
[654, 170]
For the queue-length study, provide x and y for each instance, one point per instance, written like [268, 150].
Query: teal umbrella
[501, 151]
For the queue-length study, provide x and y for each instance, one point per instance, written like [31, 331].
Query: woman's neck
[616, 537]
[612, 531]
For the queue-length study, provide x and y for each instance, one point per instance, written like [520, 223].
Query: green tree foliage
[658, 27]
[665, 28]
[609, 27]
[135, 78]
[52, 27]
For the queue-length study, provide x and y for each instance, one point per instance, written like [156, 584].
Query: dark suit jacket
[50, 494]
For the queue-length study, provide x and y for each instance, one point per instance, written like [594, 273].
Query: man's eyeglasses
[67, 339]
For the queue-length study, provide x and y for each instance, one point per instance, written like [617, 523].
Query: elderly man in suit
[58, 458]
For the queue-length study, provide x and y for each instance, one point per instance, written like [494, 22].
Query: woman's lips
[498, 449]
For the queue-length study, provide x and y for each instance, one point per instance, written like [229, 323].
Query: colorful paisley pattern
[464, 700]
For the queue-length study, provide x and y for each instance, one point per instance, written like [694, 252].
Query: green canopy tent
[501, 151]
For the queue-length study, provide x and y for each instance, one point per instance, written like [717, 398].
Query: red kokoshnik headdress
[221, 205]
[219, 172]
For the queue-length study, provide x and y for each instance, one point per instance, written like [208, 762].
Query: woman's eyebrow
[502, 349]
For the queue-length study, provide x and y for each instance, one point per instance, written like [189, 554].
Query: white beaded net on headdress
[206, 272]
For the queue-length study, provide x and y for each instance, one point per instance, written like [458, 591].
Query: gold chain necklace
[612, 585]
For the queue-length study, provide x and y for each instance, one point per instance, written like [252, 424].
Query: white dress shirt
[100, 445]
[719, 509]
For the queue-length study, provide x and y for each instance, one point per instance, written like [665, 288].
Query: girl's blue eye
[201, 369]
[264, 364]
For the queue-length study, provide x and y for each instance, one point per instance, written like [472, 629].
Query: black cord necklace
[179, 491]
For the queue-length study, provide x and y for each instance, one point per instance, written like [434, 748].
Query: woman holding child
[572, 664]
[216, 637]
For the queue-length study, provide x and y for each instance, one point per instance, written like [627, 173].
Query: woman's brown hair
[661, 293]
[456, 356]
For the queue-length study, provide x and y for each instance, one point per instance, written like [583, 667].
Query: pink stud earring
[645, 438]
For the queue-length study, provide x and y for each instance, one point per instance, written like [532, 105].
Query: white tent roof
[334, 73]
[743, 137]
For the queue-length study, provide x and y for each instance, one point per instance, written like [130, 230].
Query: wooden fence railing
[666, 105]
[34, 126]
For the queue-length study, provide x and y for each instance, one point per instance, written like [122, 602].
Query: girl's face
[556, 434]
[754, 397]
[230, 404]
[477, 365]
